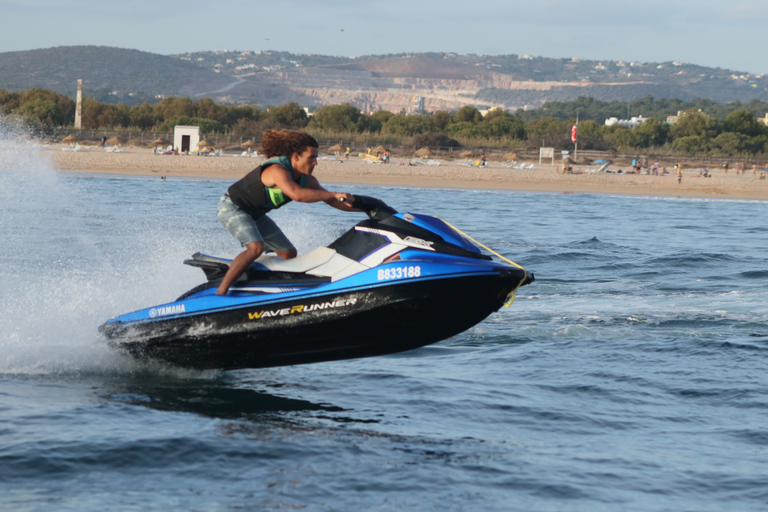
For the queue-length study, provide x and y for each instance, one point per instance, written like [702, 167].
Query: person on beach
[285, 176]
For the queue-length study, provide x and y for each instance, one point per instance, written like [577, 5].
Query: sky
[723, 33]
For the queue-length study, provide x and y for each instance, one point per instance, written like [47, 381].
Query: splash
[58, 279]
[40, 316]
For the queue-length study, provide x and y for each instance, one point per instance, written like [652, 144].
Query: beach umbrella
[249, 144]
[467, 154]
[71, 138]
[511, 156]
[205, 143]
[161, 141]
[335, 148]
[600, 161]
[378, 149]
[424, 152]
[114, 141]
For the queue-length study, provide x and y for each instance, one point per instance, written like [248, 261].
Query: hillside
[440, 80]
[112, 69]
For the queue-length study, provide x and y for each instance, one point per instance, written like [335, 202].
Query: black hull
[355, 324]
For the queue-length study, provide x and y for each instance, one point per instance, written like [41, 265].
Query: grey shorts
[246, 229]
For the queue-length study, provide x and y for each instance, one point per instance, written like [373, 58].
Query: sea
[630, 376]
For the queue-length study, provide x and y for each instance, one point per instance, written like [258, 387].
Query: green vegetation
[701, 128]
[599, 111]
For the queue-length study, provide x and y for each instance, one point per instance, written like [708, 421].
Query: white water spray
[61, 275]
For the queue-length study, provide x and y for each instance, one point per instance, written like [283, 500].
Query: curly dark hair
[286, 143]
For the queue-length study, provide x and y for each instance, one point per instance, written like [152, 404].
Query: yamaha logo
[167, 310]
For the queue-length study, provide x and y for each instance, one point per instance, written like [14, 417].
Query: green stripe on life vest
[276, 197]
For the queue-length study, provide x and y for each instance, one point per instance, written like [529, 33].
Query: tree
[497, 128]
[247, 128]
[42, 113]
[548, 131]
[242, 112]
[464, 129]
[408, 125]
[621, 137]
[694, 123]
[742, 121]
[98, 115]
[369, 124]
[441, 119]
[732, 143]
[207, 109]
[691, 145]
[468, 114]
[9, 101]
[374, 122]
[143, 116]
[652, 132]
[174, 107]
[288, 116]
[469, 124]
[66, 105]
[381, 117]
[336, 118]
[503, 124]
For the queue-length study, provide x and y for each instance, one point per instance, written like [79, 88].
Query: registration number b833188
[385, 274]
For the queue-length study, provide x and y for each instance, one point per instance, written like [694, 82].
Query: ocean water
[630, 376]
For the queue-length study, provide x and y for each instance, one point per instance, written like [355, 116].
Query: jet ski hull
[342, 324]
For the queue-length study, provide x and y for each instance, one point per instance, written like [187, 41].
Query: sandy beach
[542, 178]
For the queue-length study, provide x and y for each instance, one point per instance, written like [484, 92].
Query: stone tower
[79, 107]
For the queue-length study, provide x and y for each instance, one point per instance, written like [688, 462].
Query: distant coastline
[542, 178]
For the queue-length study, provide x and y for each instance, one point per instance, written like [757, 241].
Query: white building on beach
[186, 138]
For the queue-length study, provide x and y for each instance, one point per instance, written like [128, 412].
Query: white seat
[303, 263]
[322, 262]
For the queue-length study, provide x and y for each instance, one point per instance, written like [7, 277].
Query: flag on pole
[573, 133]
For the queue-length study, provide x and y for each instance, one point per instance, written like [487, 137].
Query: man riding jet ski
[394, 282]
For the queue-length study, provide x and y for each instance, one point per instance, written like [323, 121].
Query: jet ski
[394, 282]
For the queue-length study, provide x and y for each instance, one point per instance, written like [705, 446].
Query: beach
[399, 172]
